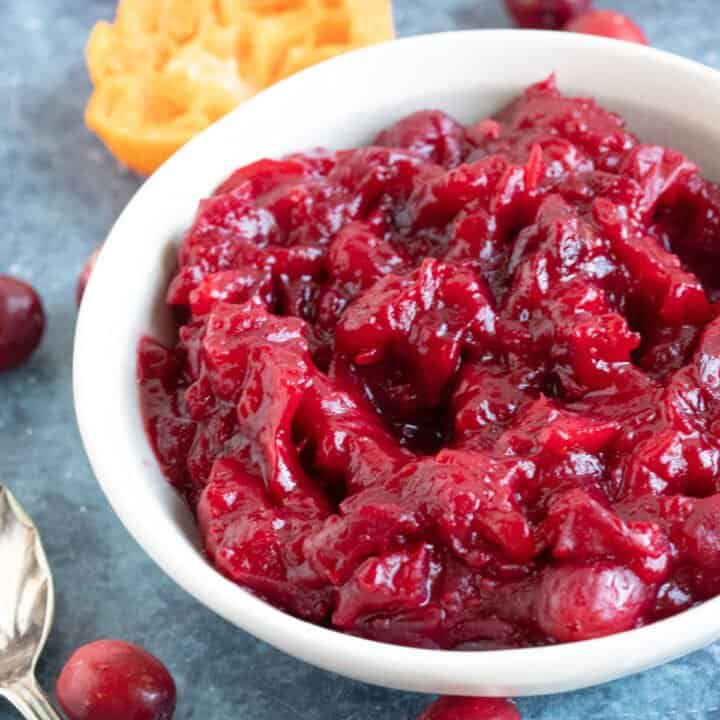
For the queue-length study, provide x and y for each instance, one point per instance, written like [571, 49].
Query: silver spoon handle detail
[30, 701]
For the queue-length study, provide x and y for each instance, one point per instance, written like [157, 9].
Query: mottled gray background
[59, 193]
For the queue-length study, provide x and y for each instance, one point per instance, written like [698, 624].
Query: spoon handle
[30, 700]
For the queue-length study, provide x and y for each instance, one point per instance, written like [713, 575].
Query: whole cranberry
[546, 14]
[22, 322]
[115, 680]
[701, 533]
[465, 708]
[607, 23]
[85, 274]
[580, 602]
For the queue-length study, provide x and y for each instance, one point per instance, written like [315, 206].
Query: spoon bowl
[27, 602]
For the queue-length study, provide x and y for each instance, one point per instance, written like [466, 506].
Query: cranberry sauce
[457, 389]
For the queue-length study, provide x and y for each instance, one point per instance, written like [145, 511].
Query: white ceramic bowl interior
[343, 103]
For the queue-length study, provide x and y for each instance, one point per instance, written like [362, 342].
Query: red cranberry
[583, 602]
[115, 680]
[465, 708]
[22, 322]
[85, 274]
[701, 532]
[546, 14]
[607, 23]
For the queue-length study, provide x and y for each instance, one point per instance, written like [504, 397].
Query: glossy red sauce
[457, 389]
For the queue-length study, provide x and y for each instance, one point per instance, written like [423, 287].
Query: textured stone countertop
[59, 194]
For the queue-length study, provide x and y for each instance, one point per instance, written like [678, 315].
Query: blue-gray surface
[59, 193]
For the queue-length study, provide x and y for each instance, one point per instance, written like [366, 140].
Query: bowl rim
[406, 668]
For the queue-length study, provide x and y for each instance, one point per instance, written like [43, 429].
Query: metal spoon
[26, 609]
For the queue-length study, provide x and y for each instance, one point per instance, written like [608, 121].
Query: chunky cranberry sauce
[459, 388]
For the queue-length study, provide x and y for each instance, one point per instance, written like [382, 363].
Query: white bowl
[343, 103]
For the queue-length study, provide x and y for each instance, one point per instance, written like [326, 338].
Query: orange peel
[166, 69]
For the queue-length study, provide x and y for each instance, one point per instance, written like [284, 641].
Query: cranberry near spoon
[26, 610]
